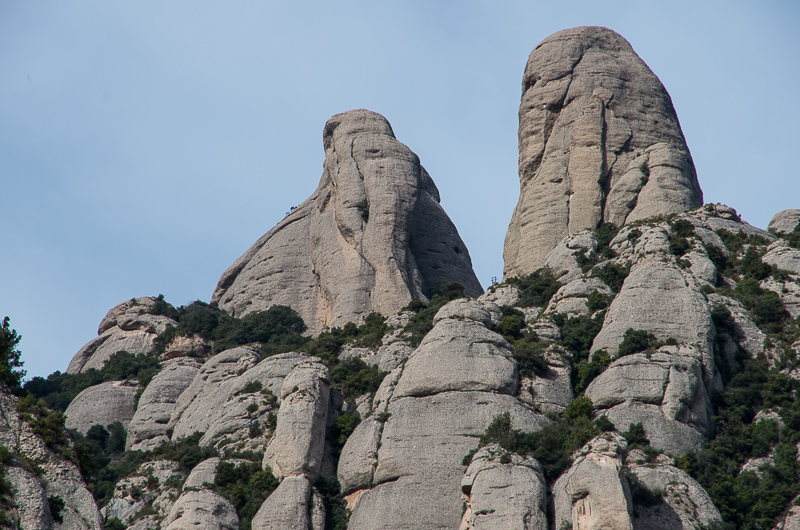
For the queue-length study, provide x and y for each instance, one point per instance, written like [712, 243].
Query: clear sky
[144, 146]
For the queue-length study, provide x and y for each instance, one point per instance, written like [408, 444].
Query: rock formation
[599, 142]
[127, 327]
[372, 237]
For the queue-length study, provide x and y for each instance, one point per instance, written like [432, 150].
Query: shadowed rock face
[371, 238]
[599, 141]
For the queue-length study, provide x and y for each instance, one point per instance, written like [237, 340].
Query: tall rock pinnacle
[599, 142]
[372, 237]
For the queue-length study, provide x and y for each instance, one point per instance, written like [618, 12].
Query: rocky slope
[645, 378]
[372, 237]
[599, 142]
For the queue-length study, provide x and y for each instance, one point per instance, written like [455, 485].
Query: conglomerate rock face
[372, 237]
[599, 142]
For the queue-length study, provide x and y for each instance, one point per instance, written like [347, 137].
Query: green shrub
[56, 505]
[512, 323]
[529, 354]
[579, 407]
[551, 446]
[422, 322]
[597, 301]
[343, 426]
[605, 233]
[641, 495]
[58, 390]
[679, 246]
[718, 257]
[246, 486]
[11, 372]
[635, 436]
[535, 289]
[612, 274]
[635, 341]
[336, 513]
[355, 377]
[682, 228]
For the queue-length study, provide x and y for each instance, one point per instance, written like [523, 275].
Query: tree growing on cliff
[11, 373]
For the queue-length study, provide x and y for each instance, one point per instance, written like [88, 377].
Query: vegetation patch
[535, 289]
[246, 486]
[611, 274]
[58, 390]
[422, 322]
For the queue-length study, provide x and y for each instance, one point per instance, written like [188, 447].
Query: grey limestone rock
[290, 507]
[56, 477]
[459, 355]
[127, 327]
[202, 509]
[661, 298]
[599, 141]
[504, 496]
[148, 427]
[593, 493]
[788, 290]
[664, 392]
[134, 493]
[686, 504]
[371, 237]
[782, 256]
[427, 415]
[297, 446]
[562, 260]
[572, 298]
[102, 404]
[785, 222]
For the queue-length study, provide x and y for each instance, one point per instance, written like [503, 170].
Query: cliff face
[372, 237]
[557, 400]
[599, 142]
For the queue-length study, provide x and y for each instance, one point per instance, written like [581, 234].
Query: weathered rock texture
[371, 238]
[102, 404]
[148, 427]
[504, 495]
[663, 391]
[785, 222]
[55, 477]
[410, 451]
[686, 505]
[127, 327]
[593, 493]
[599, 141]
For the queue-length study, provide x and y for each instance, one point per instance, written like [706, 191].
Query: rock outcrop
[127, 327]
[504, 492]
[53, 477]
[599, 142]
[410, 451]
[148, 427]
[785, 222]
[594, 492]
[372, 237]
[102, 404]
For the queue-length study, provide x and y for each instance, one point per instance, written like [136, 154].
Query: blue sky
[144, 146]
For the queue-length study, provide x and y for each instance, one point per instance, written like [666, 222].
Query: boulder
[593, 493]
[782, 256]
[372, 237]
[148, 427]
[291, 507]
[202, 509]
[504, 496]
[572, 298]
[297, 446]
[685, 506]
[599, 141]
[785, 222]
[102, 404]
